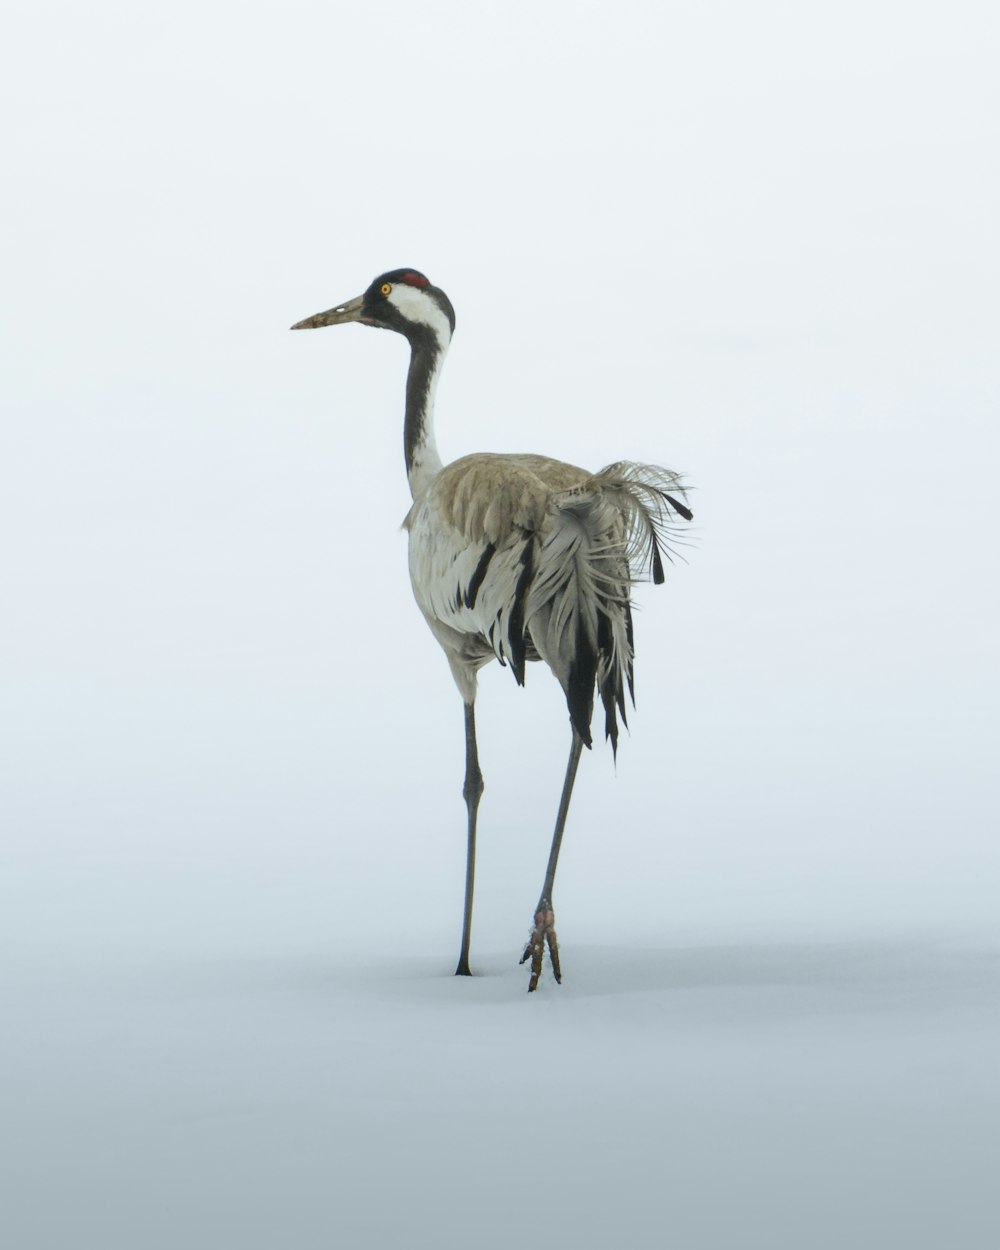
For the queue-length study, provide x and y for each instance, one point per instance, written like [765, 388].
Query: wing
[522, 557]
[468, 538]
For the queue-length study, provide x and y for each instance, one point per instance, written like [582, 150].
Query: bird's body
[526, 558]
[518, 558]
[470, 532]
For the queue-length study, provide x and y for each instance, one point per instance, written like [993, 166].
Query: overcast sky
[755, 243]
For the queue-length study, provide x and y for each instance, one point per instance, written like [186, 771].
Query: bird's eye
[386, 288]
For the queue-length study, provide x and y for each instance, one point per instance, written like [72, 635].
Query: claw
[543, 934]
[553, 945]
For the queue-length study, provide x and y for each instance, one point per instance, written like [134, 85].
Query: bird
[519, 558]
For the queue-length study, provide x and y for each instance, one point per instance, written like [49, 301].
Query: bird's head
[402, 300]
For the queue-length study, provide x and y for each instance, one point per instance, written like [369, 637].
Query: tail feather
[516, 629]
[647, 498]
[601, 537]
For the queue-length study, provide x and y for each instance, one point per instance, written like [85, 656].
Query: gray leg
[472, 792]
[544, 932]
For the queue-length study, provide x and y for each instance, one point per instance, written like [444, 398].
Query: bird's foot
[542, 935]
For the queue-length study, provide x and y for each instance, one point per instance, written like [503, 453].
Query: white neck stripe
[423, 309]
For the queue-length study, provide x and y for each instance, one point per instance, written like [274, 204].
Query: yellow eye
[386, 288]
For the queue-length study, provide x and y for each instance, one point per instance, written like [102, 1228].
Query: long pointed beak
[351, 311]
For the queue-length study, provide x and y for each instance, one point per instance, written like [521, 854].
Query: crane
[518, 558]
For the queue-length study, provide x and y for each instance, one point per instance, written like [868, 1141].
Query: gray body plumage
[525, 558]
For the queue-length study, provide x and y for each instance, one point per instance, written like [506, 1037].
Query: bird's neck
[427, 355]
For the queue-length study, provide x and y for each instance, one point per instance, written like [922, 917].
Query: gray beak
[351, 311]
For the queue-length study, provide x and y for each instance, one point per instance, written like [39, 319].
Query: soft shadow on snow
[852, 975]
[801, 1095]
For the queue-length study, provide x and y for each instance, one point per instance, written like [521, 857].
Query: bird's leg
[472, 792]
[544, 932]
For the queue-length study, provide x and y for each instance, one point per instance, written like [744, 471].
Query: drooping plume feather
[647, 497]
[542, 564]
[604, 533]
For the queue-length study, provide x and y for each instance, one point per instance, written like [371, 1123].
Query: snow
[757, 1094]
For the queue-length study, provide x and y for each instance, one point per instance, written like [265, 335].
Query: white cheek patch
[418, 306]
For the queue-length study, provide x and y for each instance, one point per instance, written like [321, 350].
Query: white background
[753, 242]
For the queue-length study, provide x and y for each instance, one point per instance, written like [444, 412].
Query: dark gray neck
[419, 446]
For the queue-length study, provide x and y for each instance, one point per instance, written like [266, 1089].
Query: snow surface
[751, 1094]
